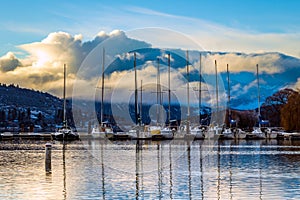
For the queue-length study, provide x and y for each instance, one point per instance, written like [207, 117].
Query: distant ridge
[11, 95]
[26, 110]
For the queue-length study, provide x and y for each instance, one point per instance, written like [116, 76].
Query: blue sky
[30, 21]
[38, 36]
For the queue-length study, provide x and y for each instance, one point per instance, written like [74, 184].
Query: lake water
[95, 169]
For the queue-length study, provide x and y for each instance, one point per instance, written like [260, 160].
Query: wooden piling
[48, 148]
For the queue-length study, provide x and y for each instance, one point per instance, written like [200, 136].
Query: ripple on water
[230, 171]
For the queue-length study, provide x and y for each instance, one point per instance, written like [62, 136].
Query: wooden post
[48, 148]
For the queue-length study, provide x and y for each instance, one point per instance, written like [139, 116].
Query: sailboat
[214, 129]
[198, 131]
[186, 128]
[227, 132]
[157, 131]
[138, 131]
[103, 129]
[167, 132]
[65, 132]
[257, 132]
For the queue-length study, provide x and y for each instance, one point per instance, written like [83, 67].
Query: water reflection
[64, 170]
[153, 170]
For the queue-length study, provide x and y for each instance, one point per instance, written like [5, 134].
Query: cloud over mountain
[42, 68]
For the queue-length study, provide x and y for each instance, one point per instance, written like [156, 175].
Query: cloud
[296, 86]
[55, 50]
[9, 62]
[213, 36]
[42, 69]
[247, 62]
[42, 79]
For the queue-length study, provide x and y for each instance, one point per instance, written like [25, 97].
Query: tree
[271, 109]
[290, 112]
[28, 113]
[40, 116]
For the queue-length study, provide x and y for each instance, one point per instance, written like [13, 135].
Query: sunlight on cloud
[247, 62]
[43, 68]
[296, 86]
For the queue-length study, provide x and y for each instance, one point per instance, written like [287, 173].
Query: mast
[217, 88]
[64, 96]
[169, 86]
[228, 96]
[188, 92]
[135, 91]
[158, 93]
[258, 95]
[141, 103]
[102, 88]
[200, 85]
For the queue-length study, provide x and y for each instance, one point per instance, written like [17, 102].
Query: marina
[196, 134]
[149, 100]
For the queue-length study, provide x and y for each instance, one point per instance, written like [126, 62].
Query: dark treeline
[24, 109]
[282, 109]
[290, 112]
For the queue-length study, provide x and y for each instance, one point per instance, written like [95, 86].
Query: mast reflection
[64, 171]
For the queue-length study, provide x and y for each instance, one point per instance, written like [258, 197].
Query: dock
[25, 136]
[143, 136]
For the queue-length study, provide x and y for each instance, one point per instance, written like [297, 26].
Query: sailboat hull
[66, 137]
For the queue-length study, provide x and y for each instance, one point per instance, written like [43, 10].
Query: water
[94, 169]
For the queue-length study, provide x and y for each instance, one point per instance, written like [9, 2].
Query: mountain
[25, 106]
[276, 71]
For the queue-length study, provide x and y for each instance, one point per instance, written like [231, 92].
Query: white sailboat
[198, 131]
[167, 132]
[240, 134]
[158, 131]
[138, 131]
[227, 132]
[257, 132]
[270, 134]
[103, 129]
[65, 132]
[214, 129]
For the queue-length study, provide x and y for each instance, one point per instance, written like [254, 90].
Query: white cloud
[43, 68]
[9, 62]
[212, 36]
[296, 86]
[247, 62]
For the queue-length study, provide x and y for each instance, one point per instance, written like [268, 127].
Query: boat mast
[200, 85]
[188, 92]
[158, 93]
[64, 96]
[228, 96]
[102, 89]
[135, 91]
[258, 95]
[169, 85]
[217, 88]
[141, 103]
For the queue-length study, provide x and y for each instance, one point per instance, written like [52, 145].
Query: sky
[29, 21]
[36, 37]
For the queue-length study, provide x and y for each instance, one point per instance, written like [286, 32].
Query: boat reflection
[181, 169]
[184, 169]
